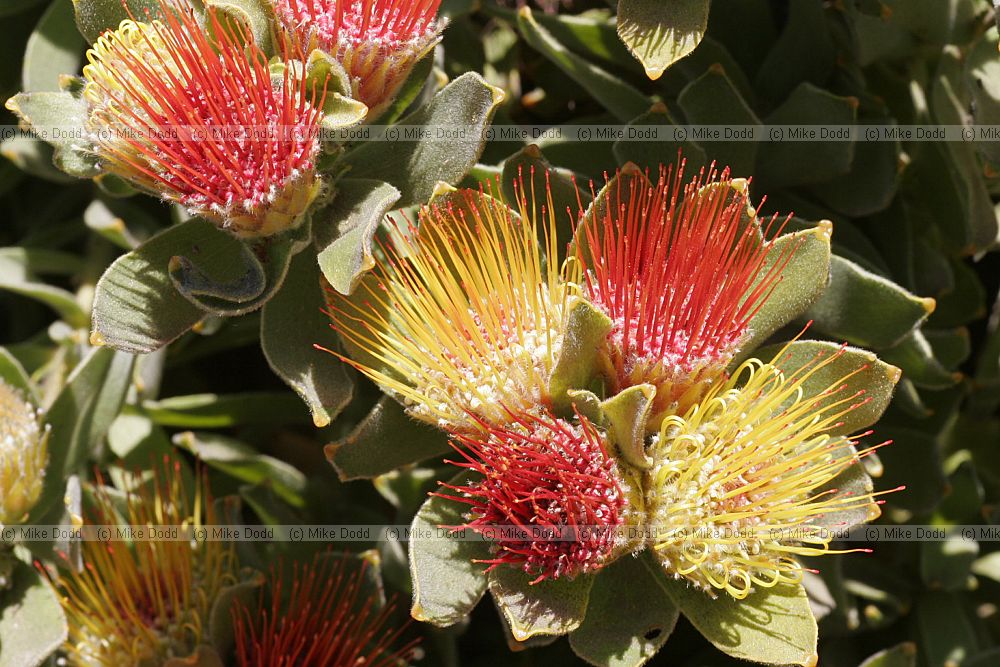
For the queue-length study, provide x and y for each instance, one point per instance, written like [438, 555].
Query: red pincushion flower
[376, 41]
[201, 120]
[328, 616]
[549, 497]
[681, 270]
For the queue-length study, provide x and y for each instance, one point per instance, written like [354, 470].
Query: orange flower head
[326, 614]
[377, 41]
[199, 118]
[680, 268]
[149, 600]
[463, 317]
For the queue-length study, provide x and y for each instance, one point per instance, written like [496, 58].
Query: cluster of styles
[477, 326]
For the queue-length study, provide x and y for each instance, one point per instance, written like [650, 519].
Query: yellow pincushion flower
[23, 455]
[740, 483]
[143, 602]
[464, 316]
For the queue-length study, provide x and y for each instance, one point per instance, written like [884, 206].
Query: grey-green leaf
[32, 622]
[416, 166]
[617, 96]
[344, 235]
[629, 616]
[661, 33]
[773, 626]
[447, 584]
[290, 324]
[387, 439]
[865, 308]
[550, 607]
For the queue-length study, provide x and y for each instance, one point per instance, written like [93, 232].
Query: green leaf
[586, 330]
[220, 620]
[224, 411]
[550, 607]
[415, 167]
[32, 622]
[629, 616]
[650, 153]
[803, 52]
[875, 378]
[871, 183]
[865, 308]
[387, 439]
[136, 440]
[33, 156]
[136, 306]
[946, 564]
[661, 33]
[344, 238]
[291, 323]
[627, 415]
[255, 14]
[81, 415]
[786, 162]
[17, 268]
[915, 356]
[773, 626]
[54, 49]
[447, 584]
[13, 373]
[925, 483]
[974, 225]
[618, 97]
[803, 280]
[901, 655]
[240, 460]
[234, 281]
[944, 629]
[712, 99]
[58, 118]
[853, 482]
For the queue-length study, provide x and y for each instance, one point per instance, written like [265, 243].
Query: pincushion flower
[464, 318]
[741, 484]
[322, 613]
[547, 495]
[23, 455]
[680, 268]
[198, 118]
[144, 602]
[376, 41]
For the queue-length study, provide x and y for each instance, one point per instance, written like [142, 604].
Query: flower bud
[23, 455]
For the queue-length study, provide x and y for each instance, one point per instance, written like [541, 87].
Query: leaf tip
[824, 230]
[97, 338]
[929, 304]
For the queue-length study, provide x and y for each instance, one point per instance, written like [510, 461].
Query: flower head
[202, 121]
[23, 455]
[323, 614]
[145, 602]
[464, 317]
[680, 270]
[740, 484]
[547, 494]
[377, 41]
